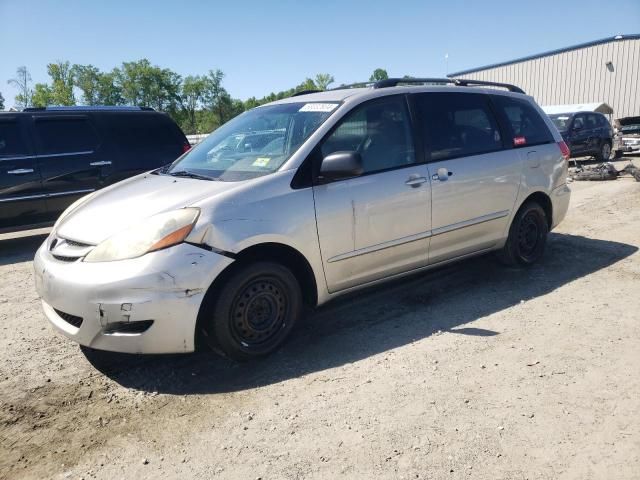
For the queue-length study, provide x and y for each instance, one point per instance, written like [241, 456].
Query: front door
[21, 197]
[376, 224]
[68, 158]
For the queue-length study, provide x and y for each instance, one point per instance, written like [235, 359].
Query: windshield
[253, 144]
[630, 129]
[561, 121]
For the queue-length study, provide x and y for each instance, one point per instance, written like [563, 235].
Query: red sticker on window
[519, 141]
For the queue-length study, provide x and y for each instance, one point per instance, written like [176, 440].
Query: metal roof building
[606, 70]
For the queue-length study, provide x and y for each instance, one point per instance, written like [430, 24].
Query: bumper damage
[148, 304]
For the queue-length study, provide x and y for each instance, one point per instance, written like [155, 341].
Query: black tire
[254, 311]
[604, 152]
[527, 236]
[617, 154]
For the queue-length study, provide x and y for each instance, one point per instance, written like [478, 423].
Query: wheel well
[275, 252]
[544, 201]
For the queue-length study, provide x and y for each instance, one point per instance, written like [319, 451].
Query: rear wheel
[527, 236]
[254, 311]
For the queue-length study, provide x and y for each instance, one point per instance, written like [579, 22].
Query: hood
[127, 203]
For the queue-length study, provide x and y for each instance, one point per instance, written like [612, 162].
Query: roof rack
[87, 108]
[394, 82]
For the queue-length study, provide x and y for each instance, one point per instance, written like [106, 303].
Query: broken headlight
[157, 232]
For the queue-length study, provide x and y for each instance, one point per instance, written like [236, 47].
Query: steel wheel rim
[258, 313]
[528, 234]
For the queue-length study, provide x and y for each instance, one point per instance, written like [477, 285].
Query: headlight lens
[158, 232]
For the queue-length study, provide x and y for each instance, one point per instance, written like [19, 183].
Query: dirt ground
[471, 371]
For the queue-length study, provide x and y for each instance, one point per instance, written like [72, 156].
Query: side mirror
[338, 165]
[577, 127]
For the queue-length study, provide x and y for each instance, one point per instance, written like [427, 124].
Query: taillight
[186, 147]
[565, 150]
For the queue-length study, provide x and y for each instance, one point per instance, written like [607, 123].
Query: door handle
[442, 174]
[415, 181]
[101, 163]
[20, 171]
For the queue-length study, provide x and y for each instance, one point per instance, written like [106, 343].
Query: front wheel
[254, 311]
[527, 236]
[604, 154]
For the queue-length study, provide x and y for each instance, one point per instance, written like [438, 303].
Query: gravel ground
[471, 371]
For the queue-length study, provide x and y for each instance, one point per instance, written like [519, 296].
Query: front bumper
[93, 303]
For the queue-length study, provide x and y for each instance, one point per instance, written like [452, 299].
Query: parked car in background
[627, 136]
[587, 134]
[50, 157]
[297, 202]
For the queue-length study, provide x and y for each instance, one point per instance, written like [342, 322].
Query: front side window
[379, 131]
[253, 144]
[11, 141]
[457, 124]
[527, 126]
[59, 135]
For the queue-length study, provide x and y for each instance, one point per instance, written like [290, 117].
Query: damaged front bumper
[148, 304]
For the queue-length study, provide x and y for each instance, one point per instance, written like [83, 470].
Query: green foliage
[1, 101]
[199, 104]
[42, 95]
[323, 80]
[378, 74]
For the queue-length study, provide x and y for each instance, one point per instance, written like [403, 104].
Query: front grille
[73, 243]
[65, 259]
[70, 319]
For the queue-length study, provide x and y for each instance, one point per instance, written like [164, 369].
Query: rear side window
[457, 124]
[11, 140]
[143, 132]
[65, 135]
[527, 126]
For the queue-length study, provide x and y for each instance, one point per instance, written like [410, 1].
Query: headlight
[157, 232]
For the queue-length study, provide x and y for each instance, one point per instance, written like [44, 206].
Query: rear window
[526, 124]
[141, 132]
[58, 135]
[457, 124]
[11, 140]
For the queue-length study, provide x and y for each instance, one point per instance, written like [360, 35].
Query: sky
[265, 46]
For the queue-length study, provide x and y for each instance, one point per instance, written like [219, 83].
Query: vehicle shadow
[19, 249]
[373, 322]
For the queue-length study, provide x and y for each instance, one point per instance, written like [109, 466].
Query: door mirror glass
[339, 165]
[578, 124]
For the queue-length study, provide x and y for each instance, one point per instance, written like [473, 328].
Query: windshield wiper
[187, 174]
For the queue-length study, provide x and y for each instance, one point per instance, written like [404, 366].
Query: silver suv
[327, 192]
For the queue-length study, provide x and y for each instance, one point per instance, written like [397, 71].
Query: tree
[323, 80]
[378, 74]
[146, 85]
[1, 101]
[42, 95]
[61, 83]
[215, 96]
[191, 97]
[21, 83]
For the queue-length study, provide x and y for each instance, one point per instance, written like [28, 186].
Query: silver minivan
[297, 202]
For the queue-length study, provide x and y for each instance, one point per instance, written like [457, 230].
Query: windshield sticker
[318, 107]
[261, 161]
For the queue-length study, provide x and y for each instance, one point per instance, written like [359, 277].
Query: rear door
[144, 141]
[21, 197]
[68, 149]
[579, 135]
[474, 174]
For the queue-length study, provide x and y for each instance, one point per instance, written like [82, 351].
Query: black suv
[587, 134]
[49, 157]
